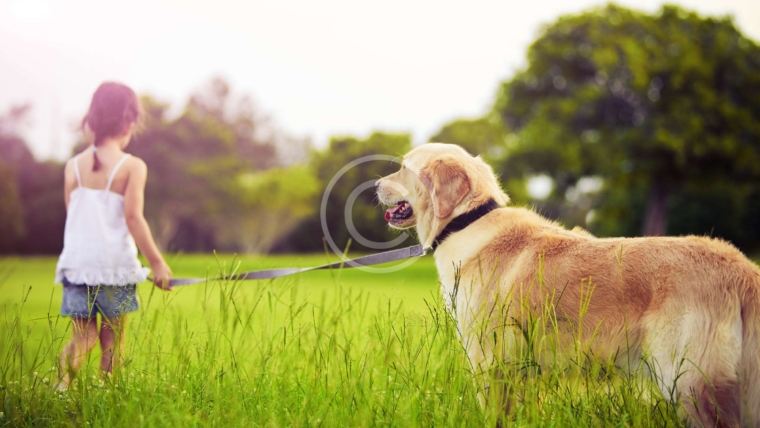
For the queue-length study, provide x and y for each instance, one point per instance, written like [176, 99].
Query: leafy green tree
[41, 190]
[193, 169]
[366, 214]
[11, 211]
[254, 143]
[14, 155]
[650, 103]
[31, 195]
[274, 202]
[483, 136]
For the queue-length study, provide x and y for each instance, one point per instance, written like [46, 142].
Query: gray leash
[374, 259]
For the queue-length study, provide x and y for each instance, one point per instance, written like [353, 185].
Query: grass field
[325, 348]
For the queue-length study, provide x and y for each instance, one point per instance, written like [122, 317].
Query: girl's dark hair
[113, 108]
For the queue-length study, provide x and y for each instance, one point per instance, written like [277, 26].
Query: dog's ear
[447, 182]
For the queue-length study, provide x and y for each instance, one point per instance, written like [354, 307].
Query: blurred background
[627, 119]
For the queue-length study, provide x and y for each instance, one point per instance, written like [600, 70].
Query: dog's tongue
[390, 211]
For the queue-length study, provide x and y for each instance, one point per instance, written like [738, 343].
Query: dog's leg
[489, 340]
[492, 375]
[695, 360]
[711, 401]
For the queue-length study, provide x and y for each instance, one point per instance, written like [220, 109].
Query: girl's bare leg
[84, 335]
[112, 342]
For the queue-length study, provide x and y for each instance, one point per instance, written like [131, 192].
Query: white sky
[320, 68]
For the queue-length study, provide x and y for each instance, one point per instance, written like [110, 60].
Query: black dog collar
[464, 220]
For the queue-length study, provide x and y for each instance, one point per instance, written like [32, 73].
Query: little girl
[104, 194]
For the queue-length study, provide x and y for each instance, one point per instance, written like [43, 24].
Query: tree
[481, 136]
[274, 202]
[41, 191]
[652, 103]
[259, 190]
[257, 139]
[193, 167]
[366, 215]
[32, 216]
[11, 211]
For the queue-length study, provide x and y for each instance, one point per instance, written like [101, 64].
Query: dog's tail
[750, 357]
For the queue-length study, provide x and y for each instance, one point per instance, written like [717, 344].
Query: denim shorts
[85, 301]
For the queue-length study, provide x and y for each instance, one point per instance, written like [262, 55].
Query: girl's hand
[161, 275]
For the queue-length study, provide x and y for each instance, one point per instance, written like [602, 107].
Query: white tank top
[97, 245]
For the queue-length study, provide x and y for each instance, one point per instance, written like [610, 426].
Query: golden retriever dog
[687, 308]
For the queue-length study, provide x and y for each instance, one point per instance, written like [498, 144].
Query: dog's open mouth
[402, 211]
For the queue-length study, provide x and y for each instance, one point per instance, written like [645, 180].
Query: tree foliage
[483, 136]
[31, 193]
[207, 174]
[654, 104]
[366, 214]
[274, 202]
[11, 211]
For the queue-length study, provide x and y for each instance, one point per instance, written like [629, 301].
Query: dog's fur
[687, 307]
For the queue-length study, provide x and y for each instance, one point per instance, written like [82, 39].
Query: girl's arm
[134, 201]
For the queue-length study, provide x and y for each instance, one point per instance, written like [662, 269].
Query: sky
[319, 69]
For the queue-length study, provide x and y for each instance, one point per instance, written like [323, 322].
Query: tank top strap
[76, 171]
[115, 169]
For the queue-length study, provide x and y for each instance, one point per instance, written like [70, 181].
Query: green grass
[325, 348]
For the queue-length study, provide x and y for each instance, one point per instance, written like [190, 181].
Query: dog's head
[436, 183]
